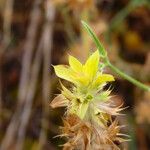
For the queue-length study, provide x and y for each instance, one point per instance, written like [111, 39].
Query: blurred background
[37, 33]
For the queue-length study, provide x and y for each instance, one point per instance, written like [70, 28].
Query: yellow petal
[91, 65]
[102, 78]
[83, 80]
[75, 64]
[64, 73]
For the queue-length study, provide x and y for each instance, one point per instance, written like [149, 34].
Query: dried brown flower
[83, 135]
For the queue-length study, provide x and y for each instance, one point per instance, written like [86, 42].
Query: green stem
[127, 77]
[100, 47]
[103, 54]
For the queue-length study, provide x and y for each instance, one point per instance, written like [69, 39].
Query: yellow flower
[88, 81]
[83, 75]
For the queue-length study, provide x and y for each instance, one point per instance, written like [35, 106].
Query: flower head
[87, 79]
[89, 107]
